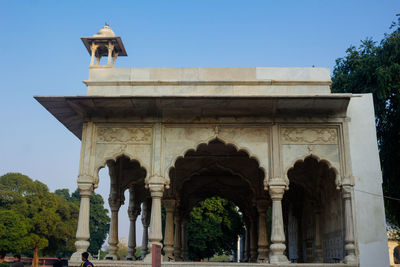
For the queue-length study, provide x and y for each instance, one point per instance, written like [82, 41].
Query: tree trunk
[35, 260]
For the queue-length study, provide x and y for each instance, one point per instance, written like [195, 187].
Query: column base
[113, 257]
[77, 256]
[277, 255]
[350, 259]
[262, 254]
[276, 259]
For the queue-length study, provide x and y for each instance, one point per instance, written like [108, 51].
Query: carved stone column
[169, 206]
[349, 235]
[133, 213]
[155, 234]
[184, 251]
[277, 233]
[146, 223]
[262, 206]
[178, 237]
[247, 244]
[93, 49]
[82, 233]
[110, 47]
[253, 240]
[115, 204]
[318, 245]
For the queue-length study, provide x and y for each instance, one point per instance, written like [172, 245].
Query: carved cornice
[124, 135]
[312, 136]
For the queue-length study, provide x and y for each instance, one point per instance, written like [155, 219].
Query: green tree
[99, 220]
[39, 215]
[375, 68]
[213, 228]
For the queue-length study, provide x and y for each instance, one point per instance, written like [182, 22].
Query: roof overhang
[118, 45]
[72, 111]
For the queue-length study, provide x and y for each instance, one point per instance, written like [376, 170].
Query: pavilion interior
[312, 207]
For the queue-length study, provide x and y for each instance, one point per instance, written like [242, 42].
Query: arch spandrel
[178, 140]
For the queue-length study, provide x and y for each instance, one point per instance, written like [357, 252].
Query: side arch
[338, 178]
[101, 163]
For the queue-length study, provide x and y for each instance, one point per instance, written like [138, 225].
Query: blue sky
[41, 54]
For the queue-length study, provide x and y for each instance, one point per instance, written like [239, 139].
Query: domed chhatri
[106, 31]
[102, 44]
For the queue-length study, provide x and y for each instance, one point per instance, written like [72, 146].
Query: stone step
[108, 263]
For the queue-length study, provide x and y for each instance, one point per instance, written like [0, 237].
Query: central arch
[218, 169]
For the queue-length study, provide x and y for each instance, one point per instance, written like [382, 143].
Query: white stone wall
[369, 213]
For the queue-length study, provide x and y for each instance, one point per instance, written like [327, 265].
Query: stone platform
[107, 263]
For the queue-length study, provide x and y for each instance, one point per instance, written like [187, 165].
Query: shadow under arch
[321, 161]
[195, 148]
[114, 158]
[313, 212]
[218, 155]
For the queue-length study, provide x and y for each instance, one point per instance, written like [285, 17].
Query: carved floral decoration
[309, 135]
[124, 135]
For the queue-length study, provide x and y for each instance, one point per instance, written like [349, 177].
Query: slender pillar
[155, 234]
[253, 240]
[263, 250]
[169, 206]
[93, 54]
[247, 245]
[184, 251]
[114, 58]
[318, 245]
[82, 233]
[241, 247]
[349, 235]
[115, 204]
[133, 213]
[178, 238]
[277, 233]
[145, 222]
[110, 47]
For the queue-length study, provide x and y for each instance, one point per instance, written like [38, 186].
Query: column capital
[133, 213]
[157, 179]
[85, 189]
[169, 205]
[114, 202]
[156, 190]
[346, 191]
[262, 205]
[276, 192]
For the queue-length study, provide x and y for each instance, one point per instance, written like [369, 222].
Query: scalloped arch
[102, 163]
[338, 180]
[224, 168]
[196, 146]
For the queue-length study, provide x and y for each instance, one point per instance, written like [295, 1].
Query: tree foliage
[31, 216]
[375, 68]
[213, 228]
